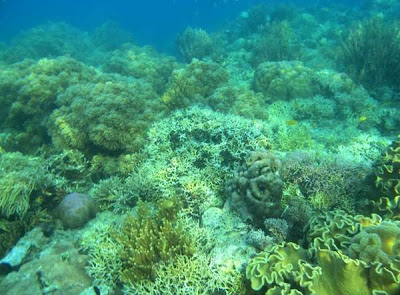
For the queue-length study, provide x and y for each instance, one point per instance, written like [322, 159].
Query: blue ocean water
[153, 22]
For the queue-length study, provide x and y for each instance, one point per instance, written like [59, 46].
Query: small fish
[291, 122]
[362, 119]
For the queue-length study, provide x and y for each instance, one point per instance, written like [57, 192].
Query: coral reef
[256, 188]
[242, 170]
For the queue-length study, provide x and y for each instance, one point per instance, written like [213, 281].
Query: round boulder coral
[76, 209]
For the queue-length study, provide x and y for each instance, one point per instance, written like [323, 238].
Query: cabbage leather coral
[367, 264]
[378, 243]
[388, 171]
[151, 237]
[108, 116]
[366, 241]
[278, 267]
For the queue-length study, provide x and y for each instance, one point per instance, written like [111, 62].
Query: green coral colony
[264, 160]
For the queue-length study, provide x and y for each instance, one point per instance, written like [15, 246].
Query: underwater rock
[18, 255]
[76, 209]
[59, 269]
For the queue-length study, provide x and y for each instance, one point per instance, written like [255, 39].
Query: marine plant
[371, 53]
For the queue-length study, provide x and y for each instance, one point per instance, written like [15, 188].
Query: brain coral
[256, 188]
